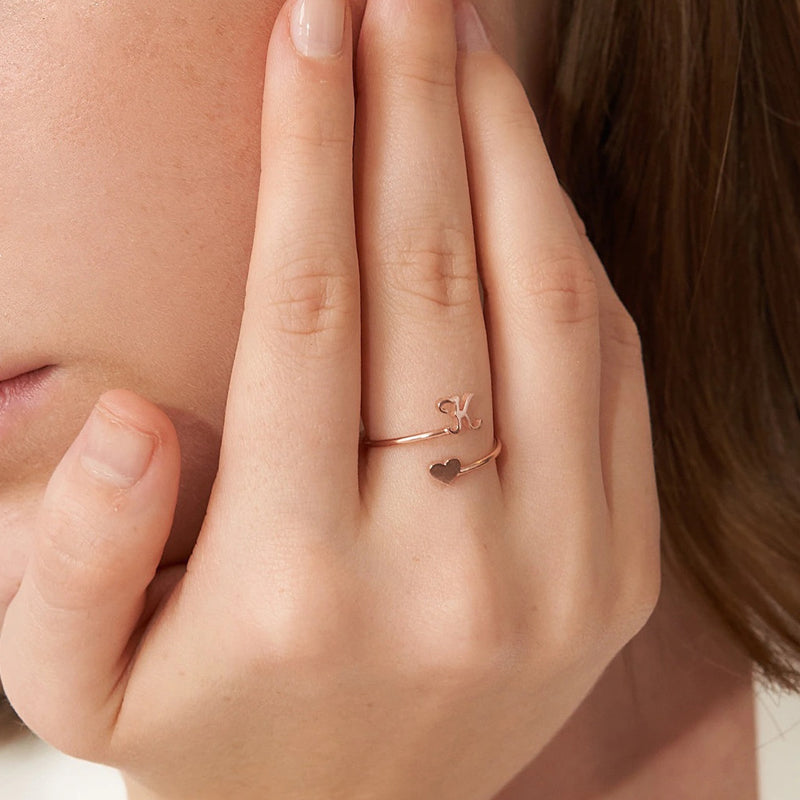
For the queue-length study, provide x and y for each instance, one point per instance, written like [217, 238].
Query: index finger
[292, 420]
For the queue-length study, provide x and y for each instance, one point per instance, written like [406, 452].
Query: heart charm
[446, 473]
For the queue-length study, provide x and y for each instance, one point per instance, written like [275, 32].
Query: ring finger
[423, 335]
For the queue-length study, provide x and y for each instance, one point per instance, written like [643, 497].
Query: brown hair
[675, 128]
[10, 725]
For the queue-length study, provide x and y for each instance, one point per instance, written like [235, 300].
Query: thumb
[70, 632]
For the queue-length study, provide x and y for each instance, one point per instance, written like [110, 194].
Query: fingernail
[470, 33]
[115, 453]
[318, 27]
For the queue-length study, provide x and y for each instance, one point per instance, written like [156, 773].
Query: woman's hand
[348, 626]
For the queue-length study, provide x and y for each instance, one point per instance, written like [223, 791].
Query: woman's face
[129, 165]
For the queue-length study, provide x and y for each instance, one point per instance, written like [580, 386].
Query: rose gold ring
[457, 407]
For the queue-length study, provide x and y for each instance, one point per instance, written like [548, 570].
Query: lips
[22, 391]
[21, 385]
[10, 372]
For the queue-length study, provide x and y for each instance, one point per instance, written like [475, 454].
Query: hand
[347, 626]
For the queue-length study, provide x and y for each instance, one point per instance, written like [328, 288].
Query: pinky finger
[625, 429]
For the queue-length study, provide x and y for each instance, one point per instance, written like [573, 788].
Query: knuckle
[417, 63]
[77, 562]
[427, 78]
[625, 596]
[419, 59]
[312, 302]
[310, 625]
[563, 613]
[299, 146]
[434, 276]
[622, 335]
[570, 617]
[305, 132]
[298, 642]
[558, 285]
[470, 636]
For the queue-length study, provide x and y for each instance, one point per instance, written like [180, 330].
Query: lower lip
[22, 394]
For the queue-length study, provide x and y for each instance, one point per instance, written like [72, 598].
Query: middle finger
[423, 333]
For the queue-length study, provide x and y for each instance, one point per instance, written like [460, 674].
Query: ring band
[451, 469]
[446, 472]
[456, 406]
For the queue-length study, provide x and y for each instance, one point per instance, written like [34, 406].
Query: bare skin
[672, 718]
[681, 739]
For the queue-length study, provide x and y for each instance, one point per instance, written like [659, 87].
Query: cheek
[129, 168]
[129, 142]
[129, 147]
